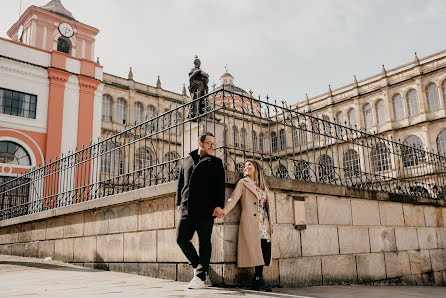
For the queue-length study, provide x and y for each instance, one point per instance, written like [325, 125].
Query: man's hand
[218, 212]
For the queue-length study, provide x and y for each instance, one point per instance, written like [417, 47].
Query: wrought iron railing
[288, 144]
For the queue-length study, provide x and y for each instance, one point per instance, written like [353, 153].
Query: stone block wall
[349, 238]
[352, 240]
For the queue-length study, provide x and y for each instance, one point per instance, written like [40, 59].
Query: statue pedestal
[193, 131]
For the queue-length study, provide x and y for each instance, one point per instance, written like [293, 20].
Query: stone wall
[350, 237]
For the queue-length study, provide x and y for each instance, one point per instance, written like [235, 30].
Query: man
[201, 190]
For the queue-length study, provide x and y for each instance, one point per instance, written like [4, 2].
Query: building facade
[407, 103]
[50, 89]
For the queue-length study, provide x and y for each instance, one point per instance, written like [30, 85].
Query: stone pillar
[441, 98]
[359, 114]
[389, 105]
[421, 97]
[131, 111]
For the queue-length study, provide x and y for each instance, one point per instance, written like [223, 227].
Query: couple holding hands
[201, 197]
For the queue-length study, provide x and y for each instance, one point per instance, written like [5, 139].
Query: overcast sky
[277, 47]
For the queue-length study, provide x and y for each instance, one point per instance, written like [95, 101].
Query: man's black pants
[185, 231]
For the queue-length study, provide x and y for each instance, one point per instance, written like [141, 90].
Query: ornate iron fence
[288, 144]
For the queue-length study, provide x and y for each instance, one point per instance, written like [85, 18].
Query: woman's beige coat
[249, 251]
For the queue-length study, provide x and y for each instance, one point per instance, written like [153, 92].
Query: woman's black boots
[259, 284]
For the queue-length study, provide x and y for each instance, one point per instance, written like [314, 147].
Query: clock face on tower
[66, 30]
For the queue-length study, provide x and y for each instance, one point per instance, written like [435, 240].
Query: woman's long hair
[259, 179]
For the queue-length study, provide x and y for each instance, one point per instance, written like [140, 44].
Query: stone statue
[198, 86]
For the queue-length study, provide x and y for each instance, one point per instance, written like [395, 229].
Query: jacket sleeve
[221, 185]
[235, 196]
[180, 187]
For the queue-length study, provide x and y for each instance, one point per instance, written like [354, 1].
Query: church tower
[53, 27]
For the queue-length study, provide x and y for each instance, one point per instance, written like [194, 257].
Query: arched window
[281, 171]
[243, 138]
[295, 136]
[273, 141]
[444, 92]
[261, 142]
[13, 153]
[239, 167]
[412, 102]
[64, 45]
[112, 159]
[340, 119]
[441, 142]
[316, 131]
[107, 108]
[380, 158]
[282, 139]
[151, 113]
[398, 107]
[254, 141]
[433, 101]
[380, 112]
[412, 151]
[327, 125]
[351, 163]
[302, 170]
[144, 159]
[121, 111]
[171, 165]
[166, 118]
[325, 171]
[235, 137]
[138, 111]
[368, 116]
[303, 134]
[178, 117]
[352, 118]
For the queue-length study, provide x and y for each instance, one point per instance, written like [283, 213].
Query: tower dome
[56, 7]
[227, 79]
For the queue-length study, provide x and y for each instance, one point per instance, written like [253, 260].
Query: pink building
[50, 91]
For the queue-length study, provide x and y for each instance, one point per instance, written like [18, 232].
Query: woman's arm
[235, 196]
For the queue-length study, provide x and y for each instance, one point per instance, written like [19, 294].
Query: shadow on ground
[48, 266]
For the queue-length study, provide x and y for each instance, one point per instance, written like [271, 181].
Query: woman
[254, 237]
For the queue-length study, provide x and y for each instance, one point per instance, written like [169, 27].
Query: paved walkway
[21, 277]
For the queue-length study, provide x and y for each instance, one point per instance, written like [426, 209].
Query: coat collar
[250, 184]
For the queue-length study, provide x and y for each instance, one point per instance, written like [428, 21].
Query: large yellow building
[406, 105]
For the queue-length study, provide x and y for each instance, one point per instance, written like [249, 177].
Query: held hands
[218, 212]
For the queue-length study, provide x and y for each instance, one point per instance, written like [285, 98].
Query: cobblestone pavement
[21, 277]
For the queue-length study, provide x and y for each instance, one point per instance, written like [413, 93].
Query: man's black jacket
[201, 187]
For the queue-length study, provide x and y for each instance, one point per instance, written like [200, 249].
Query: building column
[421, 96]
[441, 97]
[84, 168]
[57, 79]
[389, 105]
[86, 107]
[359, 114]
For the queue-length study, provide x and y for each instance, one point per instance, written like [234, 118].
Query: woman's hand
[272, 229]
[218, 212]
